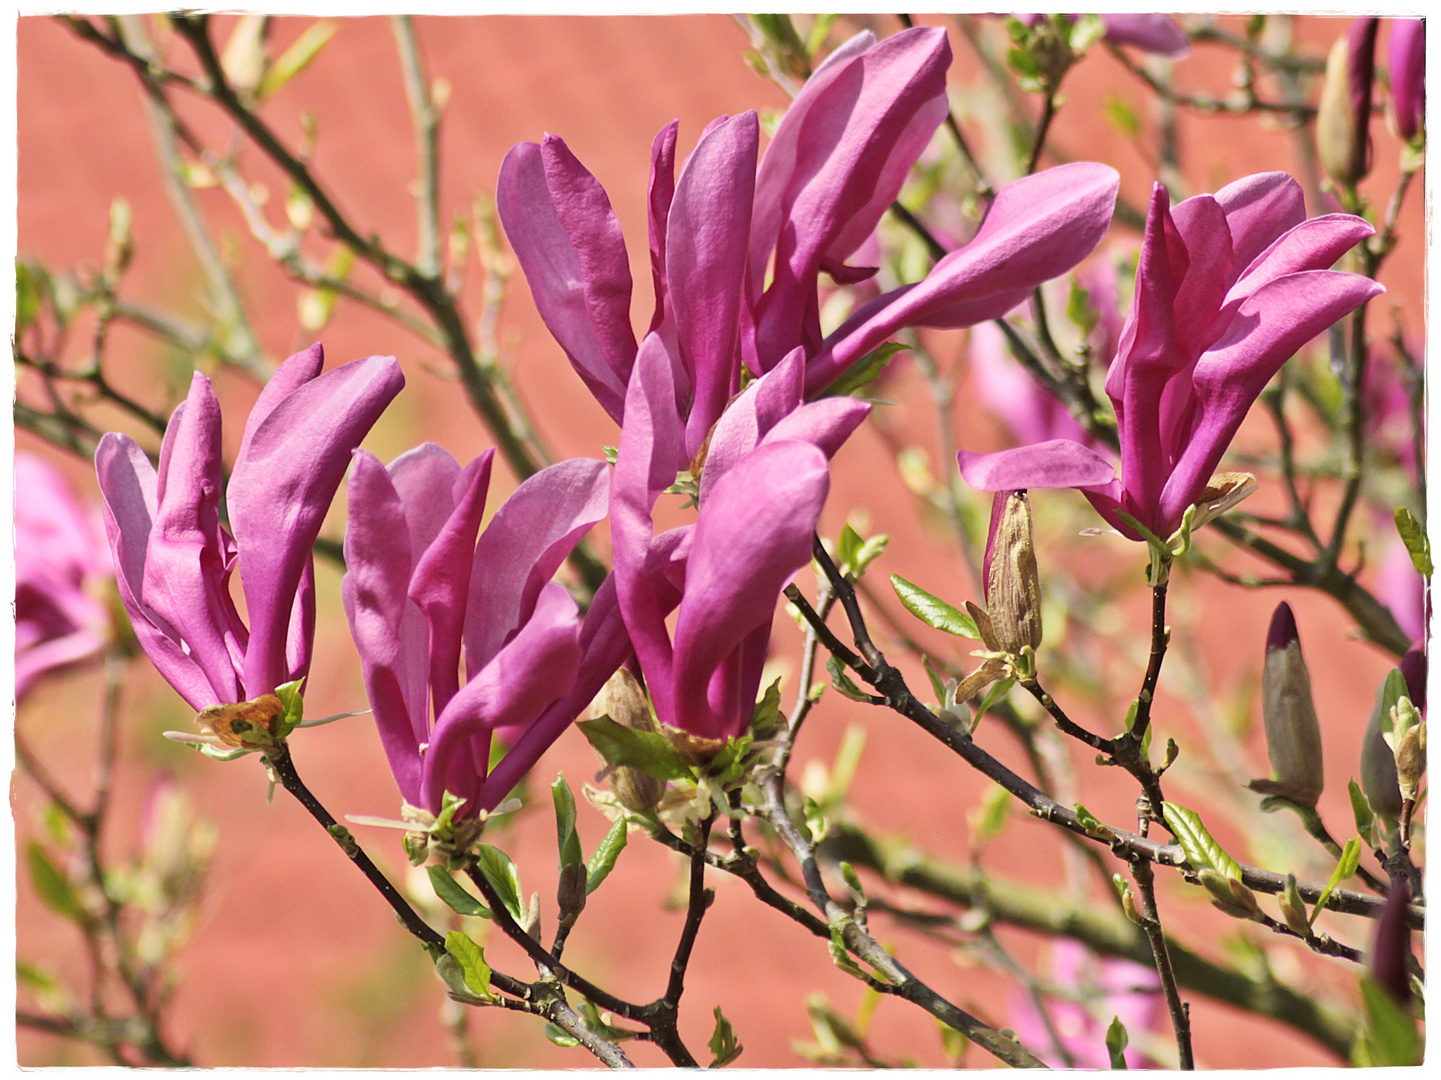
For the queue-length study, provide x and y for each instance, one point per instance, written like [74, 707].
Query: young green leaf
[848, 543]
[1390, 1035]
[864, 371]
[766, 717]
[724, 1046]
[842, 682]
[1416, 541]
[648, 751]
[503, 877]
[566, 838]
[296, 58]
[52, 886]
[1346, 865]
[1362, 812]
[1116, 1042]
[294, 714]
[934, 611]
[1093, 825]
[453, 894]
[471, 958]
[602, 859]
[1202, 852]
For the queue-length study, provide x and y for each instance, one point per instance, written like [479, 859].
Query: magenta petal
[1153, 33]
[300, 633]
[705, 250]
[282, 487]
[570, 248]
[825, 424]
[538, 666]
[659, 194]
[1313, 245]
[425, 477]
[127, 487]
[1059, 463]
[523, 546]
[1259, 209]
[752, 535]
[185, 564]
[1038, 227]
[389, 631]
[441, 579]
[1270, 326]
[290, 376]
[1406, 53]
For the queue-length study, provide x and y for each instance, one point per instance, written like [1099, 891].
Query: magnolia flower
[1228, 287]
[419, 590]
[1407, 52]
[1402, 588]
[61, 562]
[1012, 395]
[1103, 989]
[760, 494]
[1153, 33]
[174, 558]
[1343, 117]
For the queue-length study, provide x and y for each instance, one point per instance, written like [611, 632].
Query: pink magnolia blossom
[1104, 988]
[1152, 33]
[1228, 287]
[1012, 395]
[419, 590]
[1407, 53]
[173, 557]
[62, 564]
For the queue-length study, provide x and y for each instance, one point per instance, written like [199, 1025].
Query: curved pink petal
[425, 478]
[1313, 245]
[1153, 33]
[186, 570]
[1270, 326]
[523, 546]
[1406, 54]
[751, 536]
[127, 489]
[1038, 227]
[705, 250]
[1260, 209]
[659, 193]
[1059, 463]
[569, 245]
[290, 376]
[538, 666]
[282, 487]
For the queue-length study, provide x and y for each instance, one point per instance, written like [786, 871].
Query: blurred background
[292, 959]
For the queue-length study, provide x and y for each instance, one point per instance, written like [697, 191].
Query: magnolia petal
[825, 424]
[588, 316]
[1059, 463]
[1268, 328]
[535, 668]
[752, 535]
[127, 489]
[290, 376]
[425, 477]
[1154, 33]
[185, 564]
[282, 487]
[759, 408]
[1038, 227]
[1259, 209]
[523, 546]
[1313, 245]
[659, 194]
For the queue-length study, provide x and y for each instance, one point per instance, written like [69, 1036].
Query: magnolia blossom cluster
[462, 633]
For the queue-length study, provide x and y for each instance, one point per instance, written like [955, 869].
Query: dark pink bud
[1391, 952]
[1413, 670]
[1283, 628]
[1407, 54]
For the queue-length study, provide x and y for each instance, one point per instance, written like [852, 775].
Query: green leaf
[1093, 825]
[842, 682]
[1362, 812]
[602, 859]
[471, 958]
[864, 371]
[290, 719]
[566, 838]
[1202, 852]
[1393, 689]
[816, 822]
[1390, 1036]
[648, 751]
[938, 685]
[1116, 1041]
[51, 885]
[31, 283]
[766, 718]
[1415, 539]
[1345, 866]
[503, 877]
[934, 611]
[296, 58]
[1122, 116]
[724, 1046]
[558, 1035]
[989, 818]
[998, 690]
[841, 956]
[453, 894]
[847, 544]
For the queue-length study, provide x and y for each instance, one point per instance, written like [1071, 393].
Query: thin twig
[427, 145]
[1145, 877]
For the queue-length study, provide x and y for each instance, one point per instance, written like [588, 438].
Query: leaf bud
[1343, 116]
[1293, 734]
[571, 893]
[1293, 908]
[1230, 895]
[1011, 579]
[624, 700]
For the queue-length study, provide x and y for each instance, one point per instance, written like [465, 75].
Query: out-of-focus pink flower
[1407, 52]
[61, 562]
[1152, 33]
[1228, 287]
[1387, 401]
[173, 556]
[1401, 587]
[1009, 391]
[1105, 988]
[419, 589]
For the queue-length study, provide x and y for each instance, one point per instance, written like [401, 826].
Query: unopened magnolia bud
[244, 60]
[624, 701]
[1343, 116]
[571, 893]
[1409, 743]
[1391, 951]
[1378, 764]
[1012, 580]
[1413, 670]
[1407, 53]
[1293, 734]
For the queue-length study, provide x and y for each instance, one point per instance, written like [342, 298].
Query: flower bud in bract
[1378, 764]
[1293, 735]
[1343, 117]
[1391, 952]
[1407, 57]
[624, 701]
[1012, 580]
